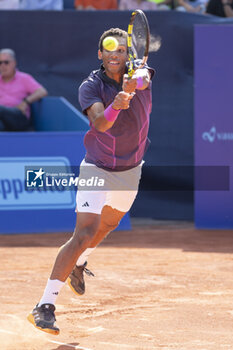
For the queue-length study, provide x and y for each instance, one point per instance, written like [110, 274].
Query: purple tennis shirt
[123, 146]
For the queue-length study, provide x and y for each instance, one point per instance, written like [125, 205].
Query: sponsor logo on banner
[213, 135]
[26, 190]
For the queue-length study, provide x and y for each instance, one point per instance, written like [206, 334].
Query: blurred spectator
[221, 8]
[163, 4]
[137, 4]
[41, 4]
[17, 91]
[95, 4]
[195, 6]
[9, 4]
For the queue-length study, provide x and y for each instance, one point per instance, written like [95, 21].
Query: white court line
[92, 330]
[8, 332]
[119, 345]
[95, 329]
[71, 346]
[12, 316]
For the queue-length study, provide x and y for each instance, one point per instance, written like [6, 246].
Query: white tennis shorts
[119, 188]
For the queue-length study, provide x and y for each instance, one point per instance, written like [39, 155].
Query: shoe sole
[30, 318]
[72, 288]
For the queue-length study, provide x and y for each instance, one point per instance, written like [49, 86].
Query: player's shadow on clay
[66, 347]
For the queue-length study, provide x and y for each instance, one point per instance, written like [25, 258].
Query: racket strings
[139, 37]
[138, 40]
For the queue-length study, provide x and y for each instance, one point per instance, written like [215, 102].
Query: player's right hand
[129, 85]
[122, 100]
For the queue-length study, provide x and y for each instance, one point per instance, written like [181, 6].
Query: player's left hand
[129, 85]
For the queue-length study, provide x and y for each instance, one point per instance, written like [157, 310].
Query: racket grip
[111, 114]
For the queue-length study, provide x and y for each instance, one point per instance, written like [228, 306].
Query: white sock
[51, 292]
[84, 256]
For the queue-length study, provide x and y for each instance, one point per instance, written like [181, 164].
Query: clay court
[161, 286]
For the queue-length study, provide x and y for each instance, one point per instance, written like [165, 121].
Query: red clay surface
[162, 286]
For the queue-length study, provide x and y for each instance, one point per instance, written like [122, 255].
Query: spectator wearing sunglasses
[18, 91]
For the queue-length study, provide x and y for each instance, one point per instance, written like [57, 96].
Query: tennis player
[118, 109]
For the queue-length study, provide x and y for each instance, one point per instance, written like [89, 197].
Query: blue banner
[15, 196]
[214, 122]
[24, 158]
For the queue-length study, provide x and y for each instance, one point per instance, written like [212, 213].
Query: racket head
[138, 40]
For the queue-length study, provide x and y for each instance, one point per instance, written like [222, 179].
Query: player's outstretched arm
[104, 118]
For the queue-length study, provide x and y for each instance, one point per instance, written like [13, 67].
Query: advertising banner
[39, 174]
[214, 125]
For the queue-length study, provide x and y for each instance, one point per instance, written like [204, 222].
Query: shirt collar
[108, 80]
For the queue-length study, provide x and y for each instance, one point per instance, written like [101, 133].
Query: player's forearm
[103, 119]
[101, 123]
[96, 114]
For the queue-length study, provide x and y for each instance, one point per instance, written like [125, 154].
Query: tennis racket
[138, 40]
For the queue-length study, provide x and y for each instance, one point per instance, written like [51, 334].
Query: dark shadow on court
[66, 347]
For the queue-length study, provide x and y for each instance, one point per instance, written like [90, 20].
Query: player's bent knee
[84, 236]
[106, 228]
[110, 220]
[110, 227]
